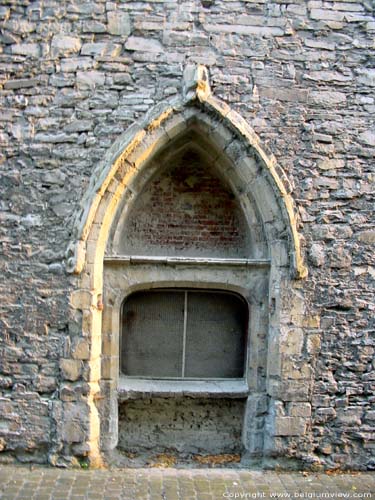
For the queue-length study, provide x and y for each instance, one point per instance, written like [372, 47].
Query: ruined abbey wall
[74, 76]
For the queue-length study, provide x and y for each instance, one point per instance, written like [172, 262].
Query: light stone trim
[146, 259]
[135, 388]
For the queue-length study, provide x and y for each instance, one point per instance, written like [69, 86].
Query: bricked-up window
[186, 210]
[184, 334]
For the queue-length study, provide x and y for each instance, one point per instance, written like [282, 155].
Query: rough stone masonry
[75, 75]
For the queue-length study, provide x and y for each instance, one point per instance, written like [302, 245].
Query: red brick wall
[188, 210]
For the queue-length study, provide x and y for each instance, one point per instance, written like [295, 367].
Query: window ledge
[130, 388]
[173, 261]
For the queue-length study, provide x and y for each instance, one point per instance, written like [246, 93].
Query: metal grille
[152, 341]
[215, 335]
[184, 334]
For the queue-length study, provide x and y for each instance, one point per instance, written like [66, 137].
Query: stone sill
[146, 259]
[136, 388]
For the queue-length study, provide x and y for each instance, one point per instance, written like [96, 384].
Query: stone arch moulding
[121, 176]
[125, 159]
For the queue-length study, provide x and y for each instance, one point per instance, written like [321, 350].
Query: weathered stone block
[299, 409]
[101, 49]
[331, 164]
[74, 425]
[71, 369]
[138, 43]
[19, 84]
[313, 343]
[27, 49]
[93, 27]
[118, 23]
[367, 137]
[328, 99]
[366, 76]
[294, 390]
[81, 349]
[72, 64]
[289, 426]
[350, 416]
[81, 299]
[63, 45]
[291, 340]
[89, 79]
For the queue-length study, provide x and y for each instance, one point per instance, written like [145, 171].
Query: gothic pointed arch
[252, 172]
[198, 125]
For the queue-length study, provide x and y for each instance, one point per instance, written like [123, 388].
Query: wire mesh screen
[152, 334]
[215, 335]
[184, 334]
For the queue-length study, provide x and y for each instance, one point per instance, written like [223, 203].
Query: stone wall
[75, 75]
[159, 425]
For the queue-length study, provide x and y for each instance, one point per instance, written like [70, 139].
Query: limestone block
[118, 23]
[321, 400]
[367, 137]
[79, 126]
[367, 236]
[323, 415]
[81, 349]
[328, 99]
[295, 390]
[67, 393]
[93, 371]
[81, 299]
[279, 253]
[340, 257]
[74, 422]
[20, 26]
[4, 13]
[295, 312]
[100, 49]
[63, 45]
[289, 426]
[72, 64]
[313, 343]
[331, 164]
[264, 31]
[312, 321]
[366, 76]
[284, 94]
[110, 367]
[291, 340]
[138, 43]
[45, 383]
[27, 49]
[265, 200]
[93, 27]
[317, 255]
[70, 369]
[89, 79]
[370, 416]
[299, 409]
[351, 416]
[295, 370]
